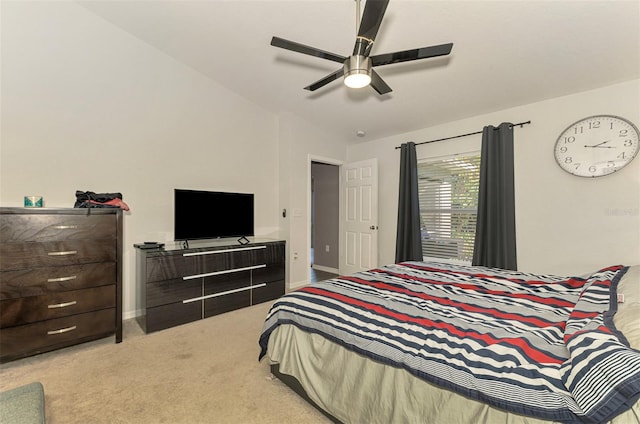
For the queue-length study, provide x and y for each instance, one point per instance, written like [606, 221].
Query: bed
[439, 343]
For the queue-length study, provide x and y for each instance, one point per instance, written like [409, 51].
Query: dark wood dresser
[179, 285]
[60, 278]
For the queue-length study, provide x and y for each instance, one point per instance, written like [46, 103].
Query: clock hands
[600, 145]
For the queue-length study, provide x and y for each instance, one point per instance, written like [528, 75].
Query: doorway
[324, 252]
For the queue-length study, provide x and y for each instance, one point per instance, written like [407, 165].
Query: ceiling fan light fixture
[357, 71]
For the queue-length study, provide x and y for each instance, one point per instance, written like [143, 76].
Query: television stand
[243, 240]
[177, 285]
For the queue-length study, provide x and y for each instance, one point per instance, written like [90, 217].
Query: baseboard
[132, 314]
[325, 269]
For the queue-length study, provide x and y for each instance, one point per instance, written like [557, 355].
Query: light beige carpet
[202, 372]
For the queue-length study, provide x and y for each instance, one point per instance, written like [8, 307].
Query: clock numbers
[597, 146]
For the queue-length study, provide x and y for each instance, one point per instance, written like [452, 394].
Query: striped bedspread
[538, 345]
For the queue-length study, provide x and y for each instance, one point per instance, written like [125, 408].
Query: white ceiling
[505, 54]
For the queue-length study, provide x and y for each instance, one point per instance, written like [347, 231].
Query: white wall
[86, 106]
[301, 143]
[564, 224]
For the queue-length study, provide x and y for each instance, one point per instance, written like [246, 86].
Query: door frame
[329, 161]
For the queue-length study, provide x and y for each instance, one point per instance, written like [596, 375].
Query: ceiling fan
[358, 68]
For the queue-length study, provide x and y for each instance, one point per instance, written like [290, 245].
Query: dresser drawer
[223, 260]
[172, 291]
[192, 264]
[38, 281]
[28, 227]
[166, 316]
[43, 336]
[273, 272]
[169, 267]
[225, 282]
[39, 308]
[226, 292]
[14, 256]
[270, 291]
[274, 254]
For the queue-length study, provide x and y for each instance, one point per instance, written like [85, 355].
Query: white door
[359, 216]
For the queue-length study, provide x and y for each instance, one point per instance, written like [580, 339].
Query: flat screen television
[212, 214]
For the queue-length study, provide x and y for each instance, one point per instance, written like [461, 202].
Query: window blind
[448, 192]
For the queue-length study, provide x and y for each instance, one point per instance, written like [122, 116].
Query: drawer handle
[54, 280]
[195, 299]
[226, 271]
[215, 252]
[65, 227]
[63, 253]
[62, 305]
[62, 330]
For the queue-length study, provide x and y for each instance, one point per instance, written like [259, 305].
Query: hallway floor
[317, 275]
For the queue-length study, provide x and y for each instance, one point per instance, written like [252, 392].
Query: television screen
[212, 214]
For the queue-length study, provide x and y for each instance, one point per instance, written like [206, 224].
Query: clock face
[597, 146]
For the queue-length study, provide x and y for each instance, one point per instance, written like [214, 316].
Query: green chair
[23, 405]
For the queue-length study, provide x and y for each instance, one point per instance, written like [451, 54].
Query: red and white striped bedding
[538, 345]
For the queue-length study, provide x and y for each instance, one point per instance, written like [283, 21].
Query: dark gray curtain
[408, 246]
[495, 240]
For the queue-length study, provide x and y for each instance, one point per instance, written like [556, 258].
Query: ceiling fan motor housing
[357, 71]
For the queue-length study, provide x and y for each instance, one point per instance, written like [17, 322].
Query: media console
[178, 285]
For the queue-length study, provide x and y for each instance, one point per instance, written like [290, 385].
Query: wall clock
[596, 146]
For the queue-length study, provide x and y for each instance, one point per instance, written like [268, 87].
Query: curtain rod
[521, 124]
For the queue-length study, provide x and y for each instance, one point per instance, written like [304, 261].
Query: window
[448, 192]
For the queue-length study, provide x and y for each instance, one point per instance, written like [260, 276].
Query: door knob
[373, 227]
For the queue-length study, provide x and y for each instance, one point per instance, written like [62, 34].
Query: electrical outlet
[326, 248]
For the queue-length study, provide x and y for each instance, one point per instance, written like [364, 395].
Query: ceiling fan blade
[372, 18]
[326, 80]
[378, 84]
[301, 48]
[369, 26]
[414, 54]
